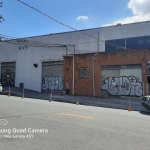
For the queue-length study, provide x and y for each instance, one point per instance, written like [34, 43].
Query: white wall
[8, 53]
[26, 72]
[86, 44]
[83, 43]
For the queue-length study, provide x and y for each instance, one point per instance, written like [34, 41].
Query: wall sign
[84, 73]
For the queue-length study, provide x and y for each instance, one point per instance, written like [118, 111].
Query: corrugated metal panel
[132, 72]
[134, 79]
[109, 73]
[107, 76]
[112, 67]
[8, 73]
[121, 80]
[52, 76]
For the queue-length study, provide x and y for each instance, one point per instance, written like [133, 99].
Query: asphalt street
[34, 124]
[110, 102]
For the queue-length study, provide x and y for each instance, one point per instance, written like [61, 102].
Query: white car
[1, 88]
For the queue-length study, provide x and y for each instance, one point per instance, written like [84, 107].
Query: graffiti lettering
[8, 78]
[52, 83]
[123, 86]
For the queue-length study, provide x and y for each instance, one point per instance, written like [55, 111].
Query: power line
[59, 21]
[9, 28]
[69, 26]
[29, 42]
[1, 18]
[10, 37]
[25, 43]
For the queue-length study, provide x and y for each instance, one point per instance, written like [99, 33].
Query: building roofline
[117, 25]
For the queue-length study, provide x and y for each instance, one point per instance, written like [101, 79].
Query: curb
[86, 103]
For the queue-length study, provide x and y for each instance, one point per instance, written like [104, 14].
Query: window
[111, 44]
[131, 43]
[84, 73]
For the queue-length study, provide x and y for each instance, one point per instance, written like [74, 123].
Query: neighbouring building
[104, 74]
[41, 62]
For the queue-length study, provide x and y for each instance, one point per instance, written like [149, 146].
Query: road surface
[31, 124]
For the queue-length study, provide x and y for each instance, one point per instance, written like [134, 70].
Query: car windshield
[145, 99]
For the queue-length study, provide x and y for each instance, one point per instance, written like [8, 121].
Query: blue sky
[22, 21]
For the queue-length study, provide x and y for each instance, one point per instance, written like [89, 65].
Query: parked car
[1, 88]
[146, 102]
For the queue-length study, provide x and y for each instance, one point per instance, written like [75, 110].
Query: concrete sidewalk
[118, 103]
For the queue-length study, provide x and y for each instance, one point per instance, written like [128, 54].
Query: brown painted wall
[85, 86]
[68, 73]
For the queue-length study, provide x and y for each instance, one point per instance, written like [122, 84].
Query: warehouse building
[38, 64]
[107, 74]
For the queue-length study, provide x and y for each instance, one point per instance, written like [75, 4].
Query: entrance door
[8, 73]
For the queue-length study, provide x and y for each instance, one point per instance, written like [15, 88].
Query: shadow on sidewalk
[117, 103]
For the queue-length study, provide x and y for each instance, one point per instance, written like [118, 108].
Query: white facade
[25, 54]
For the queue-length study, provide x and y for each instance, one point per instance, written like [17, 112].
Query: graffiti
[8, 78]
[52, 83]
[122, 86]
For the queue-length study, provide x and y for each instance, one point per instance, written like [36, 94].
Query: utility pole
[1, 4]
[1, 18]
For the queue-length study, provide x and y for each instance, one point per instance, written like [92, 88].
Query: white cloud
[140, 10]
[82, 18]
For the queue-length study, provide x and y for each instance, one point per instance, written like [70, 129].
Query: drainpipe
[73, 74]
[66, 49]
[73, 66]
[73, 71]
[125, 44]
[98, 41]
[93, 58]
[73, 78]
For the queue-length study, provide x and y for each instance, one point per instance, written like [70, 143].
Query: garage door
[8, 73]
[52, 76]
[121, 81]
[108, 74]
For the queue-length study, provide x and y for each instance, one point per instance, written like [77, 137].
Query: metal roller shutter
[52, 76]
[121, 81]
[108, 75]
[8, 73]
